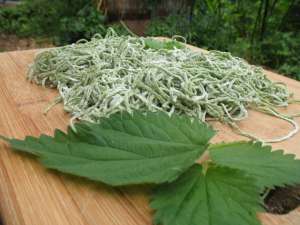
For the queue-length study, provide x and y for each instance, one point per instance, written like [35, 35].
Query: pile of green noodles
[119, 73]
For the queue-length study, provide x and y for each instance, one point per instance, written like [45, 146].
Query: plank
[32, 195]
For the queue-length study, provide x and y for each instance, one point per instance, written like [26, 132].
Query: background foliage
[265, 32]
[64, 21]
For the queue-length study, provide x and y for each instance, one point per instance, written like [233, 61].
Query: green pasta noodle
[120, 73]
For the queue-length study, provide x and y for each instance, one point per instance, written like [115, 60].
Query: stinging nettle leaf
[158, 45]
[269, 168]
[123, 149]
[222, 196]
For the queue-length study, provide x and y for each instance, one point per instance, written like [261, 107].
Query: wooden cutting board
[32, 195]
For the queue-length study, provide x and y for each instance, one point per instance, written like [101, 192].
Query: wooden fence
[142, 9]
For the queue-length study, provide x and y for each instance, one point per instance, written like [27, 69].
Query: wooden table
[32, 195]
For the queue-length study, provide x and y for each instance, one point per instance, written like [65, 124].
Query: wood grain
[32, 195]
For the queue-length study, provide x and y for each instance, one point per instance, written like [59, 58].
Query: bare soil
[283, 200]
[137, 26]
[14, 43]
